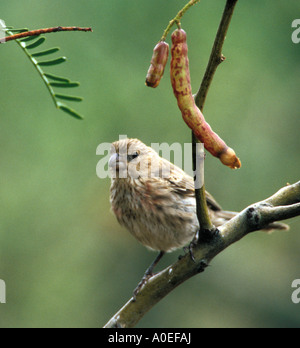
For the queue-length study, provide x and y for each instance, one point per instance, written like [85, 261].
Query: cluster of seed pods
[181, 83]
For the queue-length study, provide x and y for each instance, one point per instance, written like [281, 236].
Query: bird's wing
[213, 204]
[183, 185]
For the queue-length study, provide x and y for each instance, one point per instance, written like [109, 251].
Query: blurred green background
[64, 258]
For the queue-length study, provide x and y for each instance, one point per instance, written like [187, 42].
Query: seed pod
[158, 63]
[193, 117]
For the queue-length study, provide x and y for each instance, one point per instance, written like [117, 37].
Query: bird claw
[144, 280]
[191, 246]
[189, 249]
[148, 274]
[202, 264]
[191, 252]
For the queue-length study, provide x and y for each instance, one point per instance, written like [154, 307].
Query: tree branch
[284, 204]
[216, 57]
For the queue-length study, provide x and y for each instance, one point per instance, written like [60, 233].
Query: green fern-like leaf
[37, 43]
[46, 52]
[29, 38]
[51, 81]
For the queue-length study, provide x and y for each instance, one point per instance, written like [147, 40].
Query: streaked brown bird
[155, 200]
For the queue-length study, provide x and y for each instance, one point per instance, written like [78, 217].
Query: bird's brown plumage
[154, 199]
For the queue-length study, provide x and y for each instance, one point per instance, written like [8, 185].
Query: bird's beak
[114, 161]
[117, 163]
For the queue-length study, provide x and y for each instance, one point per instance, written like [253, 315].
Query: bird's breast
[156, 218]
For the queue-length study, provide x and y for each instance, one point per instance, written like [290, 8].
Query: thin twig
[216, 58]
[177, 18]
[201, 204]
[41, 31]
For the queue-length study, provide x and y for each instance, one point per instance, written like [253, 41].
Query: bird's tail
[221, 216]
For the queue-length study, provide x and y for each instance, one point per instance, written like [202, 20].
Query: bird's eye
[132, 156]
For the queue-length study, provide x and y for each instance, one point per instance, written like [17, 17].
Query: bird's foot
[148, 274]
[191, 246]
[144, 280]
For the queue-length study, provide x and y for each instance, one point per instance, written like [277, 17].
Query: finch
[155, 200]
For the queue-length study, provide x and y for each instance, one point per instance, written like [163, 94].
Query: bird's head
[130, 158]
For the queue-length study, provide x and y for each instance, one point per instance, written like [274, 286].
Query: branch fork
[284, 204]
